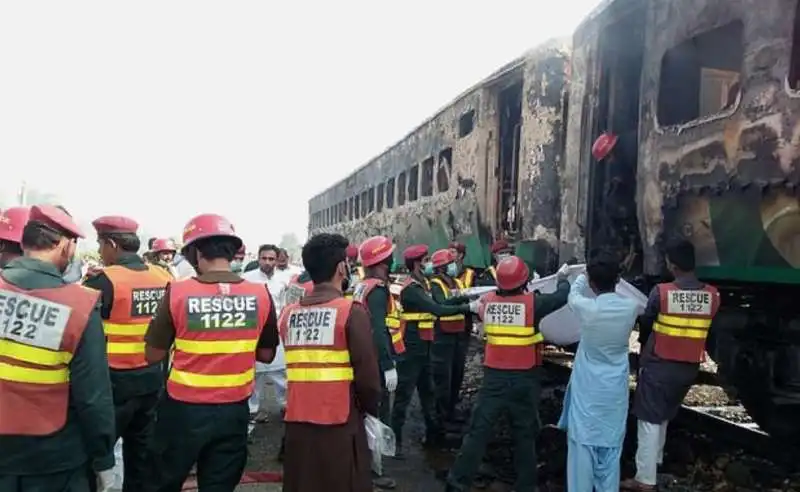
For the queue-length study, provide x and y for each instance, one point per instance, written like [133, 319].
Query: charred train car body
[703, 93]
[487, 164]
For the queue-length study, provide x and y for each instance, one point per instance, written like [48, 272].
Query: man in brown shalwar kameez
[333, 379]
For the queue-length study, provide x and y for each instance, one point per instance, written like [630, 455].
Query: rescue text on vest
[232, 312]
[311, 326]
[32, 321]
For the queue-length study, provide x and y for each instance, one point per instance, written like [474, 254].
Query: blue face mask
[427, 269]
[452, 270]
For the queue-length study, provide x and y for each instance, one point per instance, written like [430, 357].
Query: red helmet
[208, 225]
[443, 257]
[163, 244]
[603, 145]
[352, 252]
[375, 249]
[512, 273]
[12, 221]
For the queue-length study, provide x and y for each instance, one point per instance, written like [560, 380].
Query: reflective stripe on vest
[318, 370]
[467, 278]
[217, 327]
[137, 295]
[682, 325]
[391, 319]
[40, 330]
[424, 321]
[454, 323]
[512, 342]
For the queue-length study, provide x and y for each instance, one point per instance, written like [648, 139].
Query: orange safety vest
[392, 319]
[455, 323]
[467, 278]
[318, 370]
[296, 290]
[137, 295]
[40, 330]
[217, 327]
[512, 342]
[683, 321]
[424, 321]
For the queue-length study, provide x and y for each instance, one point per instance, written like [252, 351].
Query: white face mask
[501, 256]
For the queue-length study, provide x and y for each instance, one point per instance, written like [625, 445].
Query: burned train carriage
[483, 167]
[704, 97]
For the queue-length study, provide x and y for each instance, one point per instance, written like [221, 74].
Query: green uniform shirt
[378, 306]
[415, 299]
[127, 383]
[89, 433]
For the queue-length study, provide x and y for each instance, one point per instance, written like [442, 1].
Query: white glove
[475, 306]
[105, 480]
[563, 272]
[390, 377]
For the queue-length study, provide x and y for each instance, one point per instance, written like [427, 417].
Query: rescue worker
[220, 324]
[500, 250]
[373, 293]
[12, 222]
[511, 377]
[57, 410]
[678, 317]
[448, 337]
[333, 379]
[130, 292]
[162, 254]
[419, 311]
[466, 278]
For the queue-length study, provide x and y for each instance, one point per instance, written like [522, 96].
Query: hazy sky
[165, 109]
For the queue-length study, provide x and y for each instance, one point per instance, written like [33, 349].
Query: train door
[509, 104]
[612, 211]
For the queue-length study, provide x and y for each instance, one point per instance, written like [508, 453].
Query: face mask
[236, 266]
[501, 257]
[452, 270]
[72, 273]
[427, 269]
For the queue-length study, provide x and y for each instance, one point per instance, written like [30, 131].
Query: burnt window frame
[446, 152]
[379, 194]
[350, 209]
[725, 110]
[357, 205]
[426, 179]
[413, 183]
[402, 189]
[391, 192]
[466, 123]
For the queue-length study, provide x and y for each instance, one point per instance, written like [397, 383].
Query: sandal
[636, 486]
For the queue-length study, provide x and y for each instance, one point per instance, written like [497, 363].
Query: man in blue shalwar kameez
[596, 402]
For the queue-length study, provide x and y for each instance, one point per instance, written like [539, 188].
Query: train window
[364, 204]
[700, 76]
[427, 177]
[413, 183]
[794, 62]
[350, 209]
[343, 211]
[445, 167]
[401, 189]
[371, 200]
[466, 123]
[390, 193]
[357, 206]
[379, 198]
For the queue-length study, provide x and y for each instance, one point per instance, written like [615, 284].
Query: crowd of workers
[167, 361]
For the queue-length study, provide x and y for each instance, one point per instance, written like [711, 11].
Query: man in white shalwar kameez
[596, 402]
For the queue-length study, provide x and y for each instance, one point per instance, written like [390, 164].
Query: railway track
[720, 420]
